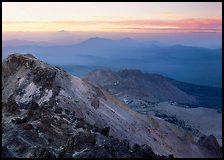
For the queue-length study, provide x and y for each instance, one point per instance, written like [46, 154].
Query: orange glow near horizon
[112, 17]
[188, 25]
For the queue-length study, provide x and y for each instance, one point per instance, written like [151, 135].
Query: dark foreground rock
[211, 145]
[43, 132]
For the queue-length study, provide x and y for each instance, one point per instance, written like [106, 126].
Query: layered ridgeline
[49, 113]
[196, 65]
[133, 86]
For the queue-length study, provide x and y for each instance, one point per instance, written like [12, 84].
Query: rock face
[153, 94]
[135, 88]
[45, 133]
[49, 113]
[210, 145]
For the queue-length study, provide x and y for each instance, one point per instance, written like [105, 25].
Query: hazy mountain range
[186, 63]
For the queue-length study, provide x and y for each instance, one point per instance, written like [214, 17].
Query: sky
[66, 23]
[46, 21]
[112, 16]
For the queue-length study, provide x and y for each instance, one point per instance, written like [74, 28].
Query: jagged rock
[33, 105]
[6, 153]
[135, 148]
[115, 149]
[95, 102]
[148, 150]
[105, 131]
[41, 152]
[10, 107]
[26, 126]
[80, 124]
[122, 152]
[58, 110]
[124, 142]
[44, 77]
[111, 143]
[97, 152]
[211, 144]
[19, 120]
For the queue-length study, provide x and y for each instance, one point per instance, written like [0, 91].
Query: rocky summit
[48, 113]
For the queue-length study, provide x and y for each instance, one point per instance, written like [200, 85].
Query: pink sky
[112, 16]
[192, 23]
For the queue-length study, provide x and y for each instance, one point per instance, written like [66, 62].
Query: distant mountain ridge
[185, 63]
[129, 85]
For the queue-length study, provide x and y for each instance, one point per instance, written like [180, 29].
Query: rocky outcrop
[113, 148]
[49, 113]
[209, 144]
[52, 132]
